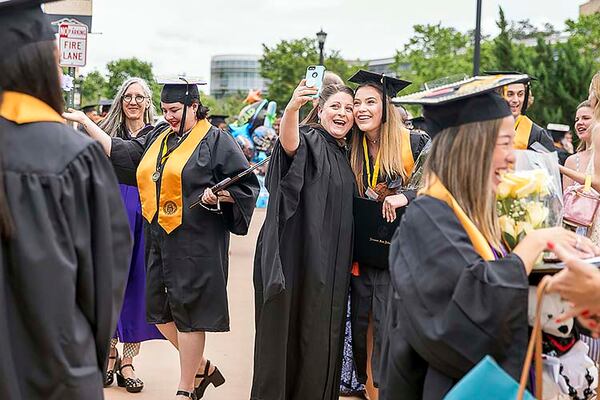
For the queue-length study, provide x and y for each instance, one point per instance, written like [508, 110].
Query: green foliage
[93, 88]
[502, 45]
[284, 65]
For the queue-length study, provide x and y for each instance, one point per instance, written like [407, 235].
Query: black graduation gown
[449, 308]
[302, 271]
[369, 294]
[186, 274]
[540, 135]
[63, 272]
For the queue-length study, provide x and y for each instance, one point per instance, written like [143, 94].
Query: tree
[503, 47]
[93, 87]
[585, 34]
[284, 65]
[121, 70]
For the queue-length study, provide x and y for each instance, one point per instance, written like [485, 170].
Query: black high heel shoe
[216, 378]
[132, 385]
[191, 395]
[109, 376]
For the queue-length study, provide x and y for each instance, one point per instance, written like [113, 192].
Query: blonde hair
[461, 158]
[390, 146]
[595, 88]
[115, 119]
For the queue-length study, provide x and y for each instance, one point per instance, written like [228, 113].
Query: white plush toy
[572, 374]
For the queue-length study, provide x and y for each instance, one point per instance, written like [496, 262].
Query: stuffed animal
[569, 373]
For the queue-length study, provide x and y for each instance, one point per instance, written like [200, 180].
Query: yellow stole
[408, 160]
[22, 108]
[407, 155]
[170, 201]
[437, 190]
[523, 127]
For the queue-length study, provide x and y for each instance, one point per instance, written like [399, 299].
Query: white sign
[72, 43]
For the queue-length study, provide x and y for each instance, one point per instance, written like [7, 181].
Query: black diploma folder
[372, 233]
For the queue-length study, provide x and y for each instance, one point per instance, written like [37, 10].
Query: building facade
[591, 7]
[235, 73]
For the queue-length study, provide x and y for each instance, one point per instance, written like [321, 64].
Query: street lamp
[477, 50]
[321, 36]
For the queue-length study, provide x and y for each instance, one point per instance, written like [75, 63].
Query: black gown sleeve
[227, 160]
[456, 307]
[418, 141]
[102, 242]
[285, 180]
[126, 154]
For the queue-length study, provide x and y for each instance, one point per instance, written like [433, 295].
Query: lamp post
[321, 36]
[477, 50]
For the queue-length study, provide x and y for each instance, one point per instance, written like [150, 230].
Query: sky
[181, 36]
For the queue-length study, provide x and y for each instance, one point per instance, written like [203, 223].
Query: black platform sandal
[109, 376]
[132, 385]
[191, 395]
[216, 378]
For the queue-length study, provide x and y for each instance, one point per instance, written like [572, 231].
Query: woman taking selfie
[304, 252]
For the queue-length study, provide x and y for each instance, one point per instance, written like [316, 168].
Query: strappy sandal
[191, 395]
[216, 378]
[132, 385]
[109, 376]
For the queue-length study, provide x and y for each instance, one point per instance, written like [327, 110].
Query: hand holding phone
[314, 78]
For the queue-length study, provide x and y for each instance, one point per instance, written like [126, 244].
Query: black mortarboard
[215, 120]
[526, 81]
[470, 100]
[89, 108]
[180, 90]
[558, 131]
[418, 123]
[390, 85]
[22, 22]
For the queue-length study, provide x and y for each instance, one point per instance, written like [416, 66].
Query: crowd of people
[116, 233]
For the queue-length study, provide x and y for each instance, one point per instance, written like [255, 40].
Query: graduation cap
[526, 81]
[89, 108]
[180, 90]
[389, 85]
[105, 104]
[215, 120]
[469, 100]
[558, 131]
[418, 123]
[23, 22]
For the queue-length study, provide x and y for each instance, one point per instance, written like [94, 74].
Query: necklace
[374, 141]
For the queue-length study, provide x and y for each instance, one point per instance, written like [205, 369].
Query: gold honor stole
[407, 158]
[437, 190]
[22, 108]
[523, 127]
[170, 201]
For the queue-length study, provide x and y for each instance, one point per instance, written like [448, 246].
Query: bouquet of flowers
[523, 204]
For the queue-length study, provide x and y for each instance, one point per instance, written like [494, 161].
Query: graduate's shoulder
[426, 211]
[43, 146]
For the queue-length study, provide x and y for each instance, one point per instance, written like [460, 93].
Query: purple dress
[132, 326]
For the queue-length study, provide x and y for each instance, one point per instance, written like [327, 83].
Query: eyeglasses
[138, 98]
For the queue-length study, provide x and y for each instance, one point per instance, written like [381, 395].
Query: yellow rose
[542, 181]
[507, 225]
[504, 189]
[536, 213]
[526, 189]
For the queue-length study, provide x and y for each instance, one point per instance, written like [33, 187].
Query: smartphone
[314, 77]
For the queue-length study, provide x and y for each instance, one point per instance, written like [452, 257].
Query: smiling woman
[304, 252]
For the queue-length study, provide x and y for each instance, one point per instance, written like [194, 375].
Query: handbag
[581, 204]
[487, 380]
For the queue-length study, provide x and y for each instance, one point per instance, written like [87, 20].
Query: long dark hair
[32, 70]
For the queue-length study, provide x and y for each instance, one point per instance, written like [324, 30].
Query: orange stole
[407, 155]
[523, 127]
[22, 108]
[482, 247]
[170, 201]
